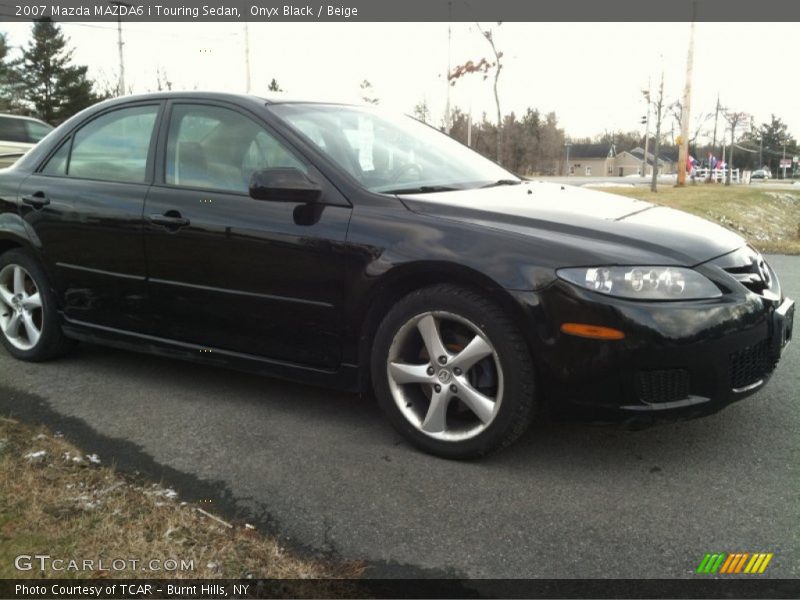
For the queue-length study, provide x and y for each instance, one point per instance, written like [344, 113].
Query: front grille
[669, 385]
[751, 364]
[750, 277]
[750, 269]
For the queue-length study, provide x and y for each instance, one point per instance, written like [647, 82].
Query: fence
[717, 175]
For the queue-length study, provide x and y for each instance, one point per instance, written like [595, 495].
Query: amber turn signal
[594, 332]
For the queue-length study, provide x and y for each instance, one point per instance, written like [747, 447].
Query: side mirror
[283, 184]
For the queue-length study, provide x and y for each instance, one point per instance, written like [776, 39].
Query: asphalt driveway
[328, 474]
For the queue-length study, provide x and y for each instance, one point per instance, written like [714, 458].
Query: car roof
[215, 95]
[24, 118]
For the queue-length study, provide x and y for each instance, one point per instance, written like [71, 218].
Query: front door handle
[171, 219]
[36, 200]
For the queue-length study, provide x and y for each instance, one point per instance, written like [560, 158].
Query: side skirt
[345, 378]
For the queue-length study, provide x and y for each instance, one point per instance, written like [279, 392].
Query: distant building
[603, 160]
[667, 160]
[591, 160]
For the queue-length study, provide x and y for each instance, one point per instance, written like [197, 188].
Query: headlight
[643, 283]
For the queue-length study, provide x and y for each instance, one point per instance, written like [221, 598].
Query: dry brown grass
[62, 504]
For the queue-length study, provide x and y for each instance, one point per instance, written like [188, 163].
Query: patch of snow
[212, 565]
[158, 492]
[41, 436]
[38, 455]
[248, 526]
[69, 457]
[93, 458]
[608, 184]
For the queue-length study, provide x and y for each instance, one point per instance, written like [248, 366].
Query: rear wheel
[453, 373]
[30, 327]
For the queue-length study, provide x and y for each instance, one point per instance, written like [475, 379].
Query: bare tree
[485, 66]
[659, 107]
[368, 92]
[676, 110]
[421, 111]
[734, 119]
[162, 80]
[498, 68]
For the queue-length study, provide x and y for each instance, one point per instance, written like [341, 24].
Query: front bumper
[678, 359]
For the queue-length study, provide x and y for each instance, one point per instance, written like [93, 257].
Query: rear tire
[453, 373]
[30, 326]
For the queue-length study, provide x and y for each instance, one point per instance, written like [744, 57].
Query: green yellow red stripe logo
[734, 562]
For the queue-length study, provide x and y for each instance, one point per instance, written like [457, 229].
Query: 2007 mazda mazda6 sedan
[336, 245]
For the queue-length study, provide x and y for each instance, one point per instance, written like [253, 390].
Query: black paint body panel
[294, 291]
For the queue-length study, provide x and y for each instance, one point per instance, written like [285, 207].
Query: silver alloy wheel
[435, 379]
[21, 316]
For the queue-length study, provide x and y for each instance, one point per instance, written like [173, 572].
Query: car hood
[607, 225]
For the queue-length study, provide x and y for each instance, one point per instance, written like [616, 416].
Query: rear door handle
[171, 219]
[36, 200]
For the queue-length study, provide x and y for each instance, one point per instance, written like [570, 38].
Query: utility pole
[716, 119]
[120, 43]
[683, 150]
[646, 128]
[783, 162]
[566, 168]
[730, 165]
[714, 139]
[447, 124]
[659, 107]
[246, 58]
[469, 127]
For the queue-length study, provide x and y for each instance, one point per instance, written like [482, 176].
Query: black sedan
[341, 246]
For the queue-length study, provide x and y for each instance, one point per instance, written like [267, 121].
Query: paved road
[324, 470]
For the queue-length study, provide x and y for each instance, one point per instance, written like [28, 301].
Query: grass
[56, 500]
[768, 218]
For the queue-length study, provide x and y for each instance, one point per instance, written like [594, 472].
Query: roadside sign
[786, 162]
[796, 159]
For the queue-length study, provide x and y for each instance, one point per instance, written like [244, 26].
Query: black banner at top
[402, 10]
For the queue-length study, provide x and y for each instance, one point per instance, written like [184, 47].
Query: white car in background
[18, 135]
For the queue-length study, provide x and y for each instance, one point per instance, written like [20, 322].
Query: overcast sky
[590, 74]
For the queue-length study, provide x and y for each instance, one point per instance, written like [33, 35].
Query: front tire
[453, 373]
[30, 327]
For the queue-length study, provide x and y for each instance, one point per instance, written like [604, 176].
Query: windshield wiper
[422, 189]
[502, 182]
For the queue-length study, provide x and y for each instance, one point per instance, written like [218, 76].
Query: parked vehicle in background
[760, 174]
[18, 135]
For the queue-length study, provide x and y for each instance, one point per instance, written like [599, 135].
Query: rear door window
[112, 147]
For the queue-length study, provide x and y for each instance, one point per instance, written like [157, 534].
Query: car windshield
[391, 154]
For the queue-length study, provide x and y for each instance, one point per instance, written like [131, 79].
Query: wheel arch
[10, 243]
[407, 278]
